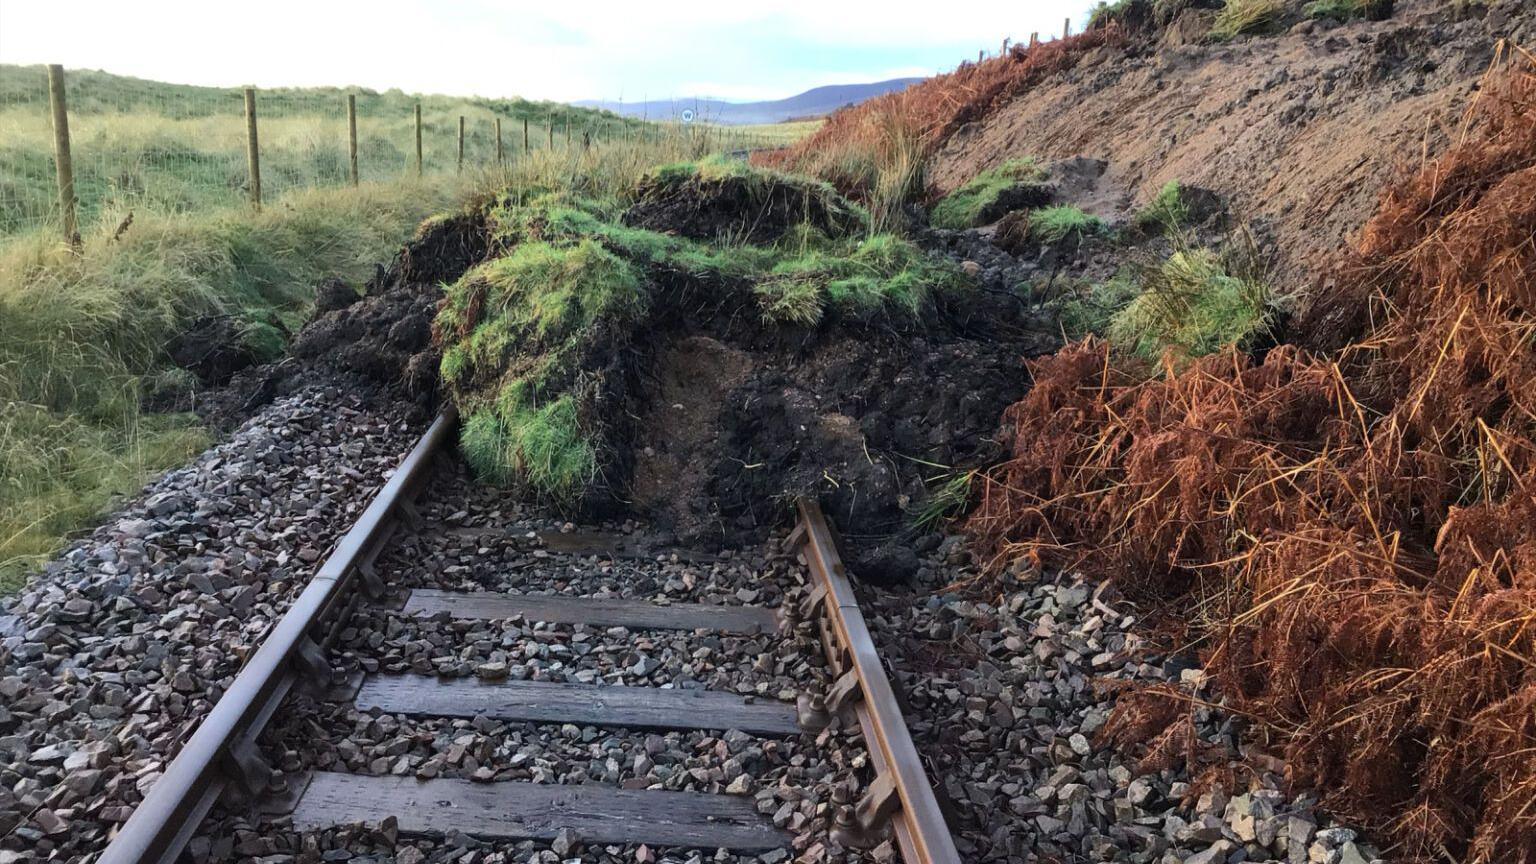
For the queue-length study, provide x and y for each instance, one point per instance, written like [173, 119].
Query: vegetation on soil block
[1166, 212]
[530, 336]
[964, 207]
[1055, 224]
[516, 327]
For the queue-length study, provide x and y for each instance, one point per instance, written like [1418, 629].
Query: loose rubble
[1005, 698]
[121, 645]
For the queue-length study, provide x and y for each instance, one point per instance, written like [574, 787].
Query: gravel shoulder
[1009, 691]
[119, 647]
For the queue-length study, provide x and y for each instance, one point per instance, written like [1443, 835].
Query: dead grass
[848, 150]
[1355, 533]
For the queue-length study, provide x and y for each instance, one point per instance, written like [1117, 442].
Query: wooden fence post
[1066, 28]
[1034, 39]
[252, 148]
[551, 130]
[418, 139]
[525, 136]
[461, 143]
[63, 162]
[500, 159]
[352, 134]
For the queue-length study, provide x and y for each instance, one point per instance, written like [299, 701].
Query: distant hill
[816, 102]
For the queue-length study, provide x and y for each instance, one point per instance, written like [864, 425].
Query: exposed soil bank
[1298, 132]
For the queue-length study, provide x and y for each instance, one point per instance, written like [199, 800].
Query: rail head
[901, 783]
[221, 749]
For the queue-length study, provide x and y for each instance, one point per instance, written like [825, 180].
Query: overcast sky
[553, 49]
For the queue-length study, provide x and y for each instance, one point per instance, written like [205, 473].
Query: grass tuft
[882, 273]
[1166, 212]
[1195, 303]
[966, 206]
[1055, 224]
[1242, 17]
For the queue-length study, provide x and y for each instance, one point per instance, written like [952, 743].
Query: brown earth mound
[731, 424]
[383, 336]
[1354, 536]
[1297, 132]
[741, 209]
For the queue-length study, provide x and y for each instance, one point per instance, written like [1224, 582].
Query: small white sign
[687, 115]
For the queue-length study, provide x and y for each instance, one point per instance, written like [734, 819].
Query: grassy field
[176, 148]
[778, 134]
[83, 336]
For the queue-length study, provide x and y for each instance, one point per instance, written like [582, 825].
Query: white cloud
[598, 48]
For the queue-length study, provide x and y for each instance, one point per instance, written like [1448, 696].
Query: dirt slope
[1298, 132]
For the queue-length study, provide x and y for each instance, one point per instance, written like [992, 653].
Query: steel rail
[221, 750]
[918, 822]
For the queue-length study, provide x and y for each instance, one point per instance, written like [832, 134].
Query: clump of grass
[883, 273]
[1194, 303]
[966, 206]
[1089, 312]
[899, 160]
[1240, 17]
[1055, 224]
[1347, 9]
[515, 329]
[522, 440]
[947, 500]
[1166, 212]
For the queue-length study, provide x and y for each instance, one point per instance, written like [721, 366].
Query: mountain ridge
[815, 102]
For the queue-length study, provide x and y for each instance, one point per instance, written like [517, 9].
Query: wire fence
[177, 148]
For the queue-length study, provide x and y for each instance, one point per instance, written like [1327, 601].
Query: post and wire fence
[83, 148]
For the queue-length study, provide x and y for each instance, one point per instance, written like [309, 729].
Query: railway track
[882, 799]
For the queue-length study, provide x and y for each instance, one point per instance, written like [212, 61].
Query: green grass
[963, 208]
[85, 336]
[528, 335]
[1241, 17]
[1347, 9]
[946, 500]
[879, 275]
[58, 472]
[1089, 311]
[1166, 212]
[521, 323]
[1055, 224]
[149, 145]
[1196, 302]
